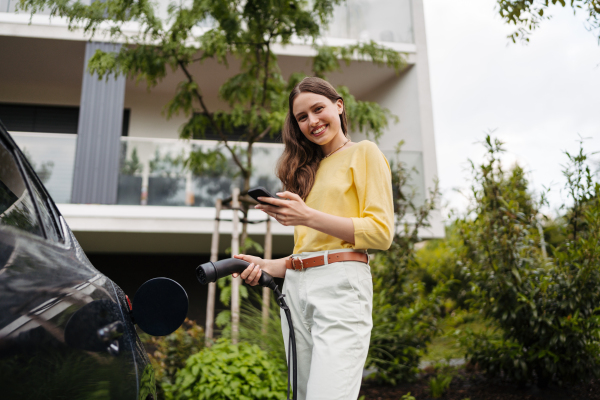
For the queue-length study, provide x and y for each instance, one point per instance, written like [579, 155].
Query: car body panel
[53, 303]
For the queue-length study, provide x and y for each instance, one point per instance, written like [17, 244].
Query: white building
[47, 101]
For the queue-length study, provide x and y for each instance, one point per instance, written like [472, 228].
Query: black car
[66, 330]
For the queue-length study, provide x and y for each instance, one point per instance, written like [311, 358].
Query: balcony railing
[52, 156]
[412, 163]
[379, 20]
[152, 172]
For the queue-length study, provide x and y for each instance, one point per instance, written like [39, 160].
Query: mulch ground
[475, 386]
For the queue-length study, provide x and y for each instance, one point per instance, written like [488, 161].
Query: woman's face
[318, 117]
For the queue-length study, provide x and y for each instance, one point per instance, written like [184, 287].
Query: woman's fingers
[288, 195]
[268, 209]
[255, 282]
[246, 273]
[251, 275]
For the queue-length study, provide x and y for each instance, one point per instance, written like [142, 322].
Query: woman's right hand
[252, 273]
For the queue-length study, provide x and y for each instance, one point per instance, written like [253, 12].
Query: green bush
[251, 329]
[546, 308]
[228, 371]
[439, 384]
[169, 353]
[405, 314]
[439, 262]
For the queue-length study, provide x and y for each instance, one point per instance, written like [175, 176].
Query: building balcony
[388, 21]
[161, 207]
[151, 170]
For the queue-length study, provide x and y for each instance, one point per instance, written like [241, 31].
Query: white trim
[195, 141]
[158, 219]
[43, 135]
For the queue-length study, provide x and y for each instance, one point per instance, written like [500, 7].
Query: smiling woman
[339, 199]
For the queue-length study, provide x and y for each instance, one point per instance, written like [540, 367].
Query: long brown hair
[300, 160]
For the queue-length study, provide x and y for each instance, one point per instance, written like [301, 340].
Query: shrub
[405, 314]
[251, 328]
[228, 371]
[169, 353]
[544, 307]
[439, 261]
[439, 384]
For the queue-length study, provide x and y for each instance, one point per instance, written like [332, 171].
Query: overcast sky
[538, 97]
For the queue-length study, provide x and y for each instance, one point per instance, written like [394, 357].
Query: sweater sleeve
[374, 229]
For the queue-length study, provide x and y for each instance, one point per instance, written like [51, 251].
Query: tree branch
[264, 99]
[257, 48]
[262, 134]
[210, 117]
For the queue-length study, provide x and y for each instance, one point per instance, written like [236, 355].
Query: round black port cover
[160, 306]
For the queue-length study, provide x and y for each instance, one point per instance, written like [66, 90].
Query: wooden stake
[266, 292]
[212, 287]
[235, 283]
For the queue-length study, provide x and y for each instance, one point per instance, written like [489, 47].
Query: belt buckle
[294, 265]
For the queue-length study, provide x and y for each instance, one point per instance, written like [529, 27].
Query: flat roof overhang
[180, 230]
[163, 230]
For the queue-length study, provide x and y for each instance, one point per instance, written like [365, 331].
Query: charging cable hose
[210, 272]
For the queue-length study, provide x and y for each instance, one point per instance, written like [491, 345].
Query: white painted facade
[43, 64]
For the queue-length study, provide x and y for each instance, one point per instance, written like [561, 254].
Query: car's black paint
[65, 328]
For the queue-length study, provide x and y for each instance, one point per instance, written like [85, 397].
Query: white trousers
[331, 310]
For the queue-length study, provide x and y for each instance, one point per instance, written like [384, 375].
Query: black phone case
[260, 191]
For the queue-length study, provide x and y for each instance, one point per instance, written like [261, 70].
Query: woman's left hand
[290, 212]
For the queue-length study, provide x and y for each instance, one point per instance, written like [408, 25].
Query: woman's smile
[319, 130]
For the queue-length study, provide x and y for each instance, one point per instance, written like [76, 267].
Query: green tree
[246, 30]
[545, 307]
[132, 166]
[527, 15]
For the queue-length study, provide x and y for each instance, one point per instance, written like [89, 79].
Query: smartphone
[260, 191]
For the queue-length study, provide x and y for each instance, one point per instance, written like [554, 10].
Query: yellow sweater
[354, 183]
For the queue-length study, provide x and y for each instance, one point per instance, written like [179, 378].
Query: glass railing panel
[52, 156]
[152, 172]
[412, 162]
[379, 20]
[218, 184]
[10, 6]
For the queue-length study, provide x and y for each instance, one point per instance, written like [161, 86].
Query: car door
[65, 329]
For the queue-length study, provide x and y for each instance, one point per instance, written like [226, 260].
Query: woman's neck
[334, 144]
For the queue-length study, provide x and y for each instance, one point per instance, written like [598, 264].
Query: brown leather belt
[299, 264]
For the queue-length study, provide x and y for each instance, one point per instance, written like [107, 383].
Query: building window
[46, 119]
